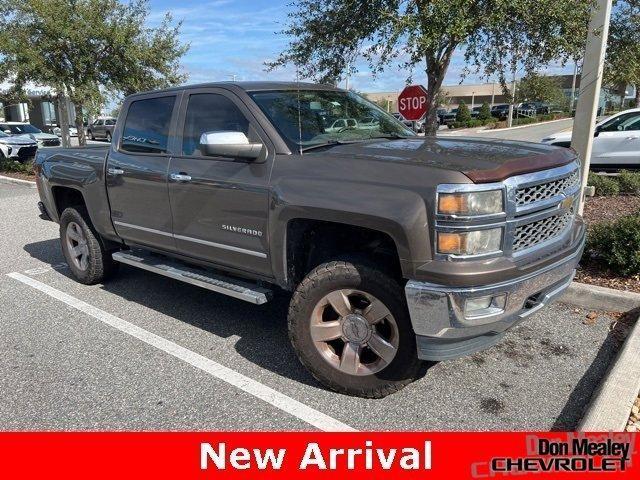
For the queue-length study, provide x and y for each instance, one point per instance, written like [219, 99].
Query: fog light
[484, 306]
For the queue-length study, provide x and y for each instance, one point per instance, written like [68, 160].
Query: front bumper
[443, 331]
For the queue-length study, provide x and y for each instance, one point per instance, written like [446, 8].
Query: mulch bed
[21, 176]
[607, 209]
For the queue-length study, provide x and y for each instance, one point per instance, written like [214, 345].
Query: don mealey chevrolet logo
[242, 230]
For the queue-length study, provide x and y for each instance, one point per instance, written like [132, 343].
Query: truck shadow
[261, 330]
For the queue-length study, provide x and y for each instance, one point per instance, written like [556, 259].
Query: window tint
[110, 122]
[621, 123]
[98, 122]
[209, 112]
[146, 129]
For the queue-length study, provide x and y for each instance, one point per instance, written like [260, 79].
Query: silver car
[102, 129]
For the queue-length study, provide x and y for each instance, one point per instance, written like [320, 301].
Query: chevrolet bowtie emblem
[567, 203]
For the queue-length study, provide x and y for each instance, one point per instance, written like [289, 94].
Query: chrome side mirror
[229, 144]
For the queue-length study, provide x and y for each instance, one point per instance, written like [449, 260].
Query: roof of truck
[250, 86]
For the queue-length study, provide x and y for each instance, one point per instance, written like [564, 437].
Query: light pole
[590, 84]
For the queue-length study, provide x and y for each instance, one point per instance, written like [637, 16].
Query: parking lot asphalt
[129, 355]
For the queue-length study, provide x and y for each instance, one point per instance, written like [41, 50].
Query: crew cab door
[220, 203]
[618, 142]
[137, 172]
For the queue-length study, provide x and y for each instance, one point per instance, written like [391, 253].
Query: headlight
[476, 242]
[470, 203]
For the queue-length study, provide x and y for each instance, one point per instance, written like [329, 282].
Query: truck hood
[483, 161]
[39, 136]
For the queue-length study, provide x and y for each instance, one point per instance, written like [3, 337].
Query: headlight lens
[476, 242]
[470, 203]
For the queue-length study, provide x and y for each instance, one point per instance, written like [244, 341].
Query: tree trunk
[637, 96]
[82, 139]
[436, 71]
[63, 119]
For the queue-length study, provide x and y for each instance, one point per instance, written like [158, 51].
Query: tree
[622, 65]
[485, 112]
[540, 88]
[329, 36]
[86, 49]
[463, 115]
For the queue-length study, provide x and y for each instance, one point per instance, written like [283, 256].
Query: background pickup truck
[397, 248]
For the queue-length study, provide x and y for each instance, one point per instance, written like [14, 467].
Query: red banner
[394, 456]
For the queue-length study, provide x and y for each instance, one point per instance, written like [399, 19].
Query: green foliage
[463, 115]
[7, 165]
[539, 88]
[332, 38]
[87, 48]
[617, 244]
[622, 65]
[604, 185]
[485, 112]
[629, 182]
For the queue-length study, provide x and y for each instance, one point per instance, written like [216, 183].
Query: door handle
[180, 177]
[115, 171]
[634, 137]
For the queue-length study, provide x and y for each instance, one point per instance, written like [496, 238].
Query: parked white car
[616, 144]
[29, 131]
[17, 148]
[73, 131]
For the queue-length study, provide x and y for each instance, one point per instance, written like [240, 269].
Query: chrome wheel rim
[354, 332]
[77, 246]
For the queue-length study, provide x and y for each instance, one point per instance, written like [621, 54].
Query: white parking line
[246, 384]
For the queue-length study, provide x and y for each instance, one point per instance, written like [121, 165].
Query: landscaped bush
[605, 186]
[629, 182]
[463, 115]
[485, 112]
[617, 244]
[16, 167]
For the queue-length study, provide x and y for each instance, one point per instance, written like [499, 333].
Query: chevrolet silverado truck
[395, 248]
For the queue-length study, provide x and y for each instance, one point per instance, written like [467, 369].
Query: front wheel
[349, 325]
[109, 137]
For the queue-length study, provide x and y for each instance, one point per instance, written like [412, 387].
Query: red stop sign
[412, 102]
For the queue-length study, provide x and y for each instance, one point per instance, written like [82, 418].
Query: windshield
[21, 129]
[326, 117]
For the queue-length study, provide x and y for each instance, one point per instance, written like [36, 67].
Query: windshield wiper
[330, 143]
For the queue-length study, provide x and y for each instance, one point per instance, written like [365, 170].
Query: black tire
[403, 369]
[100, 265]
[90, 133]
[108, 137]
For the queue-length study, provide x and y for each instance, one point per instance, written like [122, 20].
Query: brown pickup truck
[396, 248]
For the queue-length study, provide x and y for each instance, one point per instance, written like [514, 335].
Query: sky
[236, 37]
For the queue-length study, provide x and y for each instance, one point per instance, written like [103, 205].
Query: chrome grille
[544, 191]
[534, 233]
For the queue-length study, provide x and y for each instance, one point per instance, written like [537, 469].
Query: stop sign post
[412, 102]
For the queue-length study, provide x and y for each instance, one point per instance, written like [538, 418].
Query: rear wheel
[350, 327]
[108, 137]
[87, 258]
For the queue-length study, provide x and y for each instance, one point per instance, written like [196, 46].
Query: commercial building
[492, 93]
[40, 109]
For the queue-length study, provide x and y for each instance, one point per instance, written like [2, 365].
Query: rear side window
[146, 128]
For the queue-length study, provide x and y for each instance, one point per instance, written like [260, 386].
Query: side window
[110, 122]
[619, 123]
[210, 112]
[632, 123]
[146, 128]
[98, 122]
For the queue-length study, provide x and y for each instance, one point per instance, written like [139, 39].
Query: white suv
[616, 144]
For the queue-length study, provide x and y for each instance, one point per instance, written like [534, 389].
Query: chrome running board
[168, 267]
